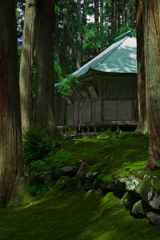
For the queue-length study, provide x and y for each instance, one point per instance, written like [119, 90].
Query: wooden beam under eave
[92, 92]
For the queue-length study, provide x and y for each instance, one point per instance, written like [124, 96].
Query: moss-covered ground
[107, 156]
[58, 215]
[76, 216]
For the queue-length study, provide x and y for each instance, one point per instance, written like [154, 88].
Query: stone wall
[139, 196]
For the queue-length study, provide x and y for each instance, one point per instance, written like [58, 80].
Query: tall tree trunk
[152, 69]
[78, 58]
[114, 25]
[133, 15]
[128, 13]
[84, 57]
[96, 14]
[64, 44]
[142, 122]
[101, 21]
[44, 114]
[26, 67]
[11, 162]
[123, 12]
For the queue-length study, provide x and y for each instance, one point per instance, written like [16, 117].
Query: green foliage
[66, 85]
[39, 164]
[56, 9]
[36, 145]
[94, 35]
[37, 190]
[57, 69]
[17, 15]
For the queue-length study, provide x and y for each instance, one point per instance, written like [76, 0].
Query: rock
[150, 190]
[81, 173]
[118, 194]
[154, 218]
[133, 184]
[129, 199]
[140, 209]
[120, 183]
[120, 186]
[70, 184]
[110, 187]
[98, 191]
[126, 201]
[69, 171]
[91, 176]
[35, 178]
[104, 186]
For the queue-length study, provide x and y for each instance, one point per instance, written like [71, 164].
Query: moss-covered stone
[127, 201]
[150, 189]
[140, 209]
[154, 218]
[124, 135]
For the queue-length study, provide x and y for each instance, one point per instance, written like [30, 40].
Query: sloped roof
[120, 57]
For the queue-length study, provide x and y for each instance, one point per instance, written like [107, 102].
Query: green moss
[124, 135]
[83, 216]
[152, 179]
[107, 156]
[78, 216]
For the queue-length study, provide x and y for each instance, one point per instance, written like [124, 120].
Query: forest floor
[84, 215]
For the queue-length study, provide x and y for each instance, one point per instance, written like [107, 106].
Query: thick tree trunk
[11, 162]
[152, 68]
[26, 67]
[44, 115]
[142, 123]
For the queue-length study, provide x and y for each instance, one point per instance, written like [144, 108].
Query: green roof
[120, 57]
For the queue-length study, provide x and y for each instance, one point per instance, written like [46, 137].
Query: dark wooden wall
[103, 100]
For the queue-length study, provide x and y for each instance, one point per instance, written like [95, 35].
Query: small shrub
[37, 190]
[36, 145]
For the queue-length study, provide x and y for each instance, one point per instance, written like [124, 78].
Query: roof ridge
[111, 51]
[126, 34]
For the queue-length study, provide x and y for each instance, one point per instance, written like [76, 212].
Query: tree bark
[128, 13]
[114, 23]
[142, 122]
[101, 21]
[123, 12]
[44, 112]
[26, 67]
[152, 69]
[78, 57]
[11, 161]
[96, 14]
[133, 14]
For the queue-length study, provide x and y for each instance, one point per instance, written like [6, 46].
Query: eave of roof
[120, 57]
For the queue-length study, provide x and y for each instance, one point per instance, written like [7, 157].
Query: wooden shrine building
[108, 96]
